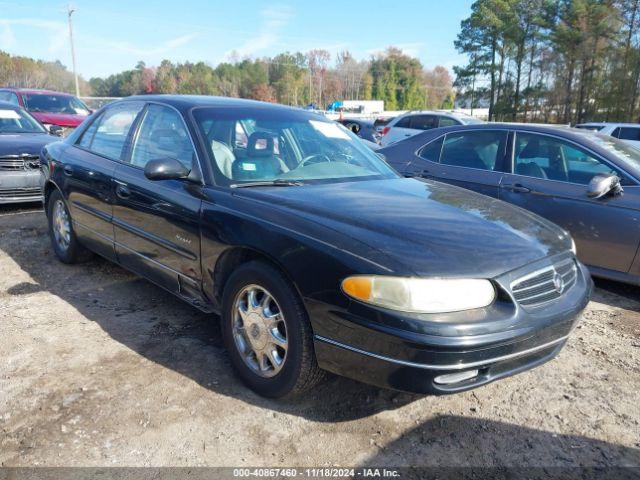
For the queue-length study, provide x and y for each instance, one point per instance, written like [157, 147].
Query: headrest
[266, 147]
[531, 150]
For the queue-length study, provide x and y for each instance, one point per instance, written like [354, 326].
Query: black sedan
[21, 139]
[317, 255]
[586, 182]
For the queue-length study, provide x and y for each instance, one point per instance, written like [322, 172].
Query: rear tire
[267, 332]
[63, 238]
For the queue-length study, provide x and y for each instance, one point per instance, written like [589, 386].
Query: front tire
[267, 332]
[63, 239]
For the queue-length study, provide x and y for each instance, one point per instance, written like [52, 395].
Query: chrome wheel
[259, 331]
[61, 225]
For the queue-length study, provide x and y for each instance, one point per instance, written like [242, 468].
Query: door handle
[123, 191]
[68, 171]
[517, 187]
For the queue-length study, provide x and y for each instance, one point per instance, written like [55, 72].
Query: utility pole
[73, 51]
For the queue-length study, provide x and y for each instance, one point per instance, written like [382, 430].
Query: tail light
[385, 130]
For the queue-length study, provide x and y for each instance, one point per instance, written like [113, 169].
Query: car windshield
[263, 144]
[15, 121]
[52, 103]
[628, 156]
[469, 120]
[594, 128]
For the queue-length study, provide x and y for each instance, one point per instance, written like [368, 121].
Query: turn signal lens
[420, 295]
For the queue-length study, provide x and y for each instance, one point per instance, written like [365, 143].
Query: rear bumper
[355, 347]
[20, 186]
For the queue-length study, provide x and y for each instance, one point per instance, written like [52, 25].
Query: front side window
[284, 145]
[111, 130]
[18, 121]
[474, 149]
[51, 103]
[555, 159]
[162, 135]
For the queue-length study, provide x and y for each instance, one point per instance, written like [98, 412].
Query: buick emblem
[558, 282]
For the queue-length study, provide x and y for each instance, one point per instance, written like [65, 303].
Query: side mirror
[165, 169]
[603, 184]
[56, 130]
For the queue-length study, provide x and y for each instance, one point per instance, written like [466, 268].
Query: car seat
[260, 162]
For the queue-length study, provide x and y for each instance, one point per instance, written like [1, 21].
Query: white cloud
[274, 19]
[165, 47]
[57, 32]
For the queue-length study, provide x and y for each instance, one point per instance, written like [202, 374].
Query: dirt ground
[101, 368]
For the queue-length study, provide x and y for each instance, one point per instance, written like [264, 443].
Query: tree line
[289, 78]
[565, 61]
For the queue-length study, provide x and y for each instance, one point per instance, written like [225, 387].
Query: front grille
[546, 284]
[16, 163]
[20, 192]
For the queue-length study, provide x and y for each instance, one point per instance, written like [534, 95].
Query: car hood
[423, 227]
[62, 119]
[24, 143]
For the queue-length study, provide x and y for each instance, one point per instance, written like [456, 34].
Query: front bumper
[508, 340]
[21, 186]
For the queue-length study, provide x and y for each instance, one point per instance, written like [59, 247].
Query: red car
[50, 108]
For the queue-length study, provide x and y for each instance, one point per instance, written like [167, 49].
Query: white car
[412, 123]
[627, 132]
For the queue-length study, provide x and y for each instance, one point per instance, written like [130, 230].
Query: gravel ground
[101, 368]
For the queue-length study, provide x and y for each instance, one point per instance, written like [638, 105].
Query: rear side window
[424, 122]
[403, 123]
[629, 133]
[111, 130]
[474, 149]
[432, 151]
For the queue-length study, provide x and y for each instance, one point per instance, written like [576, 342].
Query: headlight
[573, 247]
[420, 295]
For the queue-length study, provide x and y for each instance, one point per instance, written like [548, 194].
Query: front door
[157, 223]
[550, 177]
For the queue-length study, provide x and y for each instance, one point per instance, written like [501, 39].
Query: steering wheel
[318, 157]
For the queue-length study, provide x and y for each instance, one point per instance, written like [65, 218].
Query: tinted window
[616, 132]
[9, 97]
[431, 151]
[554, 159]
[424, 122]
[162, 134]
[447, 122]
[404, 123]
[629, 133]
[474, 149]
[40, 102]
[87, 135]
[112, 130]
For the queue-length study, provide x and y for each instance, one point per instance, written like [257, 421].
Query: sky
[111, 36]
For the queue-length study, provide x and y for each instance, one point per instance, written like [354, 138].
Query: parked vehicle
[572, 177]
[413, 123]
[48, 107]
[21, 139]
[316, 253]
[361, 127]
[627, 132]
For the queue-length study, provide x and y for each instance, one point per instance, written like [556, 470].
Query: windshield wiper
[268, 183]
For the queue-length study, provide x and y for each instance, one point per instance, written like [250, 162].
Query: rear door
[157, 223]
[87, 173]
[550, 177]
[631, 135]
[472, 159]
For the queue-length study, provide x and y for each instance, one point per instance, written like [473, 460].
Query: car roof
[186, 102]
[35, 91]
[608, 124]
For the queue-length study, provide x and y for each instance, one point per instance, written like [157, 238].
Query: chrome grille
[20, 192]
[19, 162]
[546, 284]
